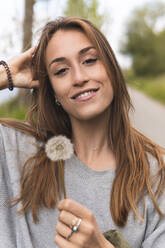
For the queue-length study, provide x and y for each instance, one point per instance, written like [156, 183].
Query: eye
[90, 61]
[61, 71]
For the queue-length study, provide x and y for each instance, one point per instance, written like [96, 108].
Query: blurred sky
[11, 16]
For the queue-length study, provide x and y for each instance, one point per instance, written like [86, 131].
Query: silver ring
[69, 235]
[76, 227]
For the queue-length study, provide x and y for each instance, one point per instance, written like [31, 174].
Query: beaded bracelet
[8, 74]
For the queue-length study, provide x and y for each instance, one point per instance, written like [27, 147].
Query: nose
[80, 77]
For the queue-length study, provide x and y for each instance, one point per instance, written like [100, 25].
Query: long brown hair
[41, 184]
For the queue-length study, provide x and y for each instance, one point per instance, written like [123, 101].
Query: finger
[31, 51]
[75, 208]
[63, 229]
[77, 238]
[62, 242]
[27, 55]
[34, 84]
[68, 218]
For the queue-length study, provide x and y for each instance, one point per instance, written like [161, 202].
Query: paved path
[149, 117]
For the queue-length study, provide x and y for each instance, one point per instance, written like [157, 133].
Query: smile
[86, 95]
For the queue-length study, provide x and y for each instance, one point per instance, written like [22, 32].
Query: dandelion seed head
[59, 148]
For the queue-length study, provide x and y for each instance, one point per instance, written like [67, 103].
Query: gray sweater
[88, 187]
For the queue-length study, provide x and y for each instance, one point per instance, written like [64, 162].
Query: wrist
[8, 75]
[3, 78]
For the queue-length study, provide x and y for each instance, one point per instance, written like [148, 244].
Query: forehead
[66, 43]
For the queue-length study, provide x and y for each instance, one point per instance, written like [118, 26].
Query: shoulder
[16, 142]
[12, 134]
[9, 132]
[16, 148]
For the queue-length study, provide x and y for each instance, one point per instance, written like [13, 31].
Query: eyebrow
[62, 59]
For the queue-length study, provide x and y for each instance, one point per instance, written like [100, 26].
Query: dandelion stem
[62, 176]
[59, 182]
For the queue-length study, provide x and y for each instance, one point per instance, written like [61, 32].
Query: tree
[23, 95]
[144, 43]
[87, 10]
[28, 24]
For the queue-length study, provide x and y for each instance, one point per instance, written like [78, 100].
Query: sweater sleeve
[15, 149]
[155, 230]
[7, 226]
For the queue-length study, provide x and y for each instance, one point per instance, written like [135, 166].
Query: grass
[11, 109]
[153, 87]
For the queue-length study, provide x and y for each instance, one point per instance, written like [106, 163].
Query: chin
[90, 115]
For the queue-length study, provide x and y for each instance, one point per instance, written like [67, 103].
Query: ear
[57, 101]
[56, 97]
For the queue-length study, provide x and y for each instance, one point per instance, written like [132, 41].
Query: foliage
[154, 87]
[144, 43]
[13, 109]
[85, 9]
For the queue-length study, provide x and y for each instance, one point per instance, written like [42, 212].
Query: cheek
[110, 91]
[107, 88]
[104, 80]
[100, 73]
[59, 88]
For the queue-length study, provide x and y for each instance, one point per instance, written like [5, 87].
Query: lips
[84, 93]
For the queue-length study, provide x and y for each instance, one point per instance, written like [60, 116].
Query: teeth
[85, 94]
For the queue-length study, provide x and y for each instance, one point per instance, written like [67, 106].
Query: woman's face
[77, 75]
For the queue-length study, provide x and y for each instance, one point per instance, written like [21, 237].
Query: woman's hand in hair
[88, 234]
[21, 72]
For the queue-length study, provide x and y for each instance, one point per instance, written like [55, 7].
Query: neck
[90, 138]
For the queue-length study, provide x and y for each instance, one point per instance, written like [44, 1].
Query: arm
[3, 78]
[20, 68]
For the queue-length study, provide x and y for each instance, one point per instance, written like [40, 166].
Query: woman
[116, 176]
